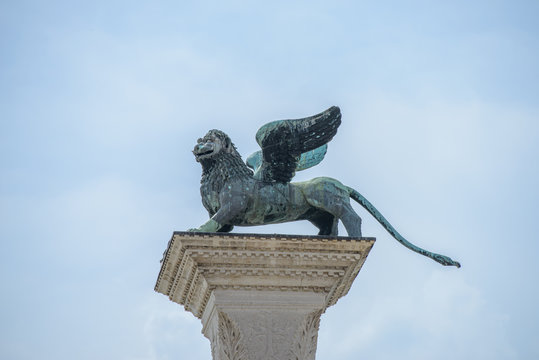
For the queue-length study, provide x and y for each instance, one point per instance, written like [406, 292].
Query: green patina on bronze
[234, 195]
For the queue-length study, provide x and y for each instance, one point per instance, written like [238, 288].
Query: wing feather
[284, 141]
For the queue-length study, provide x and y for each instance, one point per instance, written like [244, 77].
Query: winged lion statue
[259, 191]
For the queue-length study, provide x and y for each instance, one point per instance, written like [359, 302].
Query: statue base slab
[260, 296]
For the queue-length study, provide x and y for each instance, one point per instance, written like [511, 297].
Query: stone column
[260, 297]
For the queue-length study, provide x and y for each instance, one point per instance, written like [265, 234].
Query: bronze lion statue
[260, 192]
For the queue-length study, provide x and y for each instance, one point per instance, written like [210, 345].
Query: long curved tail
[442, 259]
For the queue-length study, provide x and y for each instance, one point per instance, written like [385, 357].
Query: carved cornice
[194, 264]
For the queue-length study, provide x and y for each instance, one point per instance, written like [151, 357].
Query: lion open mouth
[206, 152]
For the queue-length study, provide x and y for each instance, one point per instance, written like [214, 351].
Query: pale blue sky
[101, 103]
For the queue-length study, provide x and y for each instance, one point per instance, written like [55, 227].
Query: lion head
[220, 161]
[213, 144]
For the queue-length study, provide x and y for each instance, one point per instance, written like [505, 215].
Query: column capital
[260, 296]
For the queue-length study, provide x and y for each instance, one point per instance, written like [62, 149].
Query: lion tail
[360, 199]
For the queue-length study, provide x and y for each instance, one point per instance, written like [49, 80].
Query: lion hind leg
[350, 220]
[326, 223]
[341, 211]
[331, 196]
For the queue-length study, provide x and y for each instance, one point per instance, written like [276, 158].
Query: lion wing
[291, 145]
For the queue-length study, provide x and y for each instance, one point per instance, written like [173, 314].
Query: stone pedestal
[260, 297]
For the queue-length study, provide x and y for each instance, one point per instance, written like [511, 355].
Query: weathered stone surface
[260, 296]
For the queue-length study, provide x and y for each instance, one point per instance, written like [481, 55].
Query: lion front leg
[234, 202]
[220, 222]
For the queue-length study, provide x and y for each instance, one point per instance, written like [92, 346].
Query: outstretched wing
[290, 145]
